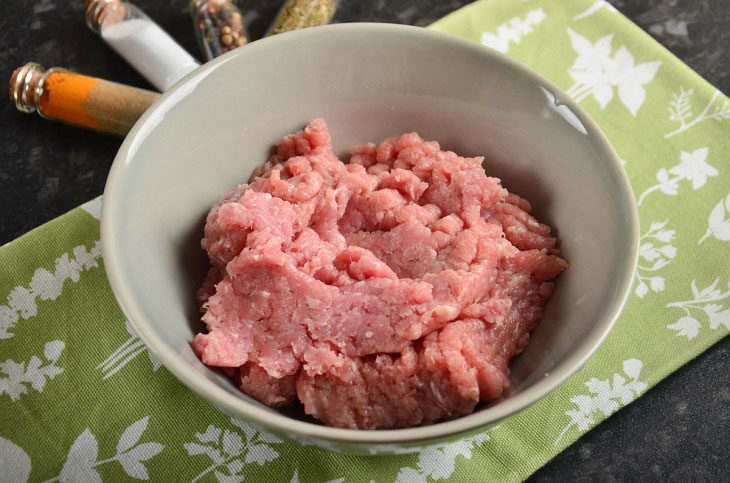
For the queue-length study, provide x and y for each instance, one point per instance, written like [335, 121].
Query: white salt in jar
[142, 43]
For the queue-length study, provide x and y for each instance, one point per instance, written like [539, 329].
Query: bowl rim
[236, 406]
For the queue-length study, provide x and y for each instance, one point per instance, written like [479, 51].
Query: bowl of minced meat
[369, 236]
[387, 292]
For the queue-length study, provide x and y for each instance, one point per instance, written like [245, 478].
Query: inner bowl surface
[368, 81]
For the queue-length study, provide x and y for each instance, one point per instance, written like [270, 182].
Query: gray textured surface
[678, 431]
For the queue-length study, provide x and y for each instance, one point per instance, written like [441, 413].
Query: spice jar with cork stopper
[218, 26]
[78, 99]
[142, 43]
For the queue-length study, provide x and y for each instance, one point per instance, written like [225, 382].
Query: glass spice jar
[299, 14]
[142, 43]
[77, 99]
[218, 26]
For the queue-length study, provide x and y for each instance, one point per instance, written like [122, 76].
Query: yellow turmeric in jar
[65, 97]
[78, 99]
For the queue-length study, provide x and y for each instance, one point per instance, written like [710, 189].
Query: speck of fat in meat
[389, 294]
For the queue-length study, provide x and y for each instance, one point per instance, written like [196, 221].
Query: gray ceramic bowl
[368, 81]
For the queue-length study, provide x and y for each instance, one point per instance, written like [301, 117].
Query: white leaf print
[14, 462]
[642, 74]
[717, 317]
[711, 291]
[597, 386]
[81, 459]
[52, 350]
[232, 444]
[132, 460]
[692, 167]
[584, 403]
[718, 225]
[491, 40]
[22, 301]
[680, 110]
[34, 373]
[133, 468]
[671, 187]
[145, 451]
[583, 420]
[623, 391]
[235, 466]
[50, 371]
[602, 49]
[233, 451]
[194, 449]
[603, 93]
[632, 368]
[607, 406]
[661, 263]
[667, 250]
[632, 96]
[717, 216]
[662, 175]
[686, 326]
[622, 65]
[653, 258]
[513, 30]
[211, 435]
[83, 455]
[248, 431]
[596, 73]
[261, 454]
[631, 82]
[657, 284]
[657, 226]
[610, 394]
[131, 435]
[711, 308]
[583, 46]
[438, 461]
[703, 303]
[44, 285]
[8, 319]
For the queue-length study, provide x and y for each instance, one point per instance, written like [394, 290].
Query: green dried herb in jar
[299, 14]
[218, 26]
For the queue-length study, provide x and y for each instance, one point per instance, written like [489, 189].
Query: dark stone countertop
[678, 431]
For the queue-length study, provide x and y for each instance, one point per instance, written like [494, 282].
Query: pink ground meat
[388, 292]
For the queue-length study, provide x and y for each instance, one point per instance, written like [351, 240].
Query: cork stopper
[94, 11]
[25, 87]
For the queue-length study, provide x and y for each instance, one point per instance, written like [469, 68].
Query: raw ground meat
[388, 292]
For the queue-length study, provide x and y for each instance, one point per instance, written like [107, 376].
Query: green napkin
[81, 399]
